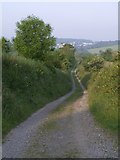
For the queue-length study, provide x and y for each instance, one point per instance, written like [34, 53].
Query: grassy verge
[62, 110]
[102, 88]
[51, 124]
[84, 76]
[78, 92]
[27, 86]
[103, 97]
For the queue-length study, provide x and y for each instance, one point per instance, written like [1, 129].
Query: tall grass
[83, 75]
[27, 86]
[102, 88]
[103, 97]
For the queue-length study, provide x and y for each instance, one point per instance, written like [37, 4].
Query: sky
[81, 20]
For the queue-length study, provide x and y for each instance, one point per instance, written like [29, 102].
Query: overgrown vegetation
[36, 75]
[88, 64]
[27, 86]
[6, 45]
[103, 96]
[99, 73]
[63, 109]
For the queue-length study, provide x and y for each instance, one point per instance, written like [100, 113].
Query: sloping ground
[103, 93]
[71, 132]
[27, 86]
[96, 50]
[19, 138]
[103, 96]
[67, 131]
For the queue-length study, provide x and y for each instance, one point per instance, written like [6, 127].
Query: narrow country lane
[72, 133]
[18, 139]
[69, 132]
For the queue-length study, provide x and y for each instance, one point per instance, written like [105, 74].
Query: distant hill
[88, 46]
[97, 50]
[102, 44]
[77, 43]
[71, 40]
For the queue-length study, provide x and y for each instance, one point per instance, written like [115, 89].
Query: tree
[67, 56]
[62, 58]
[93, 63]
[6, 46]
[33, 38]
[107, 54]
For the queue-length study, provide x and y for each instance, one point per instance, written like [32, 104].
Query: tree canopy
[6, 46]
[93, 63]
[33, 38]
[107, 54]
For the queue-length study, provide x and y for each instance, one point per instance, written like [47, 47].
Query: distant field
[96, 50]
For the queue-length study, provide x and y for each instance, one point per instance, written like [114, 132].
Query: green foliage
[88, 64]
[77, 94]
[53, 60]
[67, 57]
[63, 58]
[6, 45]
[103, 97]
[27, 86]
[107, 54]
[93, 63]
[36, 74]
[98, 50]
[102, 84]
[33, 38]
[83, 75]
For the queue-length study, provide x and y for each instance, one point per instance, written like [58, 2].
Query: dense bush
[109, 55]
[63, 58]
[6, 45]
[102, 83]
[67, 57]
[40, 76]
[27, 86]
[83, 75]
[93, 63]
[104, 106]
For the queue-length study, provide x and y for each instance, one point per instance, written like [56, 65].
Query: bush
[101, 79]
[6, 45]
[103, 96]
[83, 75]
[27, 86]
[108, 55]
[94, 63]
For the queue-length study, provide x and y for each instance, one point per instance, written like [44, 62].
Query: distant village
[75, 44]
[84, 44]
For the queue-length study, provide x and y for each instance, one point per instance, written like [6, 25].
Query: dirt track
[72, 133]
[18, 139]
[69, 133]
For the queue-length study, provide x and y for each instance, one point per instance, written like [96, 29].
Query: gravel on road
[69, 133]
[18, 138]
[72, 133]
